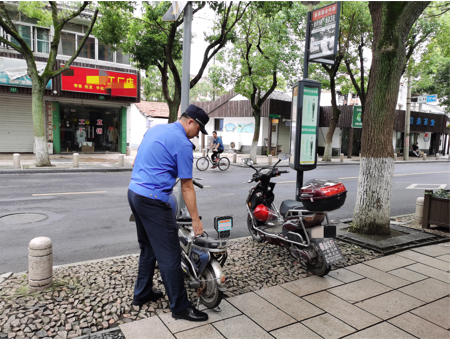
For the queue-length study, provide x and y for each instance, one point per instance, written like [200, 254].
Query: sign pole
[300, 174]
[407, 120]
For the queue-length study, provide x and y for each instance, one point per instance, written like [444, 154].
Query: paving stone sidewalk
[96, 296]
[401, 296]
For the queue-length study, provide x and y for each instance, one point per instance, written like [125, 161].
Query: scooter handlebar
[284, 171]
[197, 184]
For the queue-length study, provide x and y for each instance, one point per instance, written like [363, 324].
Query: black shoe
[154, 296]
[191, 314]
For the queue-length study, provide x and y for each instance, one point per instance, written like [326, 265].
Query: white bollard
[342, 157]
[234, 158]
[437, 156]
[76, 159]
[128, 151]
[424, 156]
[395, 157]
[269, 159]
[419, 210]
[203, 152]
[40, 264]
[16, 160]
[121, 160]
[360, 157]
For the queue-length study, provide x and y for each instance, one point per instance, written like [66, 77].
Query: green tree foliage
[264, 54]
[432, 71]
[154, 43]
[153, 89]
[48, 13]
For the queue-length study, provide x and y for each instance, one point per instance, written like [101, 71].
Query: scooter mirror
[247, 161]
[284, 156]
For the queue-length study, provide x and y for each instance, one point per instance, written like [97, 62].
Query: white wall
[138, 126]
[228, 136]
[336, 138]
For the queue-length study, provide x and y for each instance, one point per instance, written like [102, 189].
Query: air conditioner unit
[236, 146]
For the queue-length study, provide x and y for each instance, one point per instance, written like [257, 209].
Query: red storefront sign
[95, 81]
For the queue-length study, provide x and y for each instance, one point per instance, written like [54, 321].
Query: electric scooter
[298, 225]
[202, 257]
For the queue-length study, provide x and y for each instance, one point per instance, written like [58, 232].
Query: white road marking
[37, 195]
[426, 186]
[403, 174]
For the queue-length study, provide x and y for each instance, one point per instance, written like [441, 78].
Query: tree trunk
[37, 110]
[173, 110]
[391, 23]
[253, 154]
[372, 210]
[330, 134]
[350, 142]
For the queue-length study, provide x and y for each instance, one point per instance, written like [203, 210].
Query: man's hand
[198, 227]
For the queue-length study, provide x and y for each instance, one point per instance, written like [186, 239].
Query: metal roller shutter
[16, 125]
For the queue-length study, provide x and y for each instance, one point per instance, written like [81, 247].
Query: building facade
[231, 115]
[86, 109]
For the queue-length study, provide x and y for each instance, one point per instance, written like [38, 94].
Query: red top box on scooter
[323, 195]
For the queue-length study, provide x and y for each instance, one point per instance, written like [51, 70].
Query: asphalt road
[88, 212]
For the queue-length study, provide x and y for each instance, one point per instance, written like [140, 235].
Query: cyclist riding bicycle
[218, 148]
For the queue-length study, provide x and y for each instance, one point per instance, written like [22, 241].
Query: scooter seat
[209, 242]
[287, 205]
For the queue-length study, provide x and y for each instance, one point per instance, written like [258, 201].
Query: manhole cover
[22, 218]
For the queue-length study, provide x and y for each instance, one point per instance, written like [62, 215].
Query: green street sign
[102, 98]
[275, 116]
[357, 117]
[12, 89]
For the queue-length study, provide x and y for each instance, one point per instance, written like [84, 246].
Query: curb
[129, 169]
[65, 170]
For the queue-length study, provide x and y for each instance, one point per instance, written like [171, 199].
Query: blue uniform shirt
[218, 140]
[165, 153]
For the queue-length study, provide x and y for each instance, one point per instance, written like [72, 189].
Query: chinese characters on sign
[116, 84]
[331, 252]
[425, 122]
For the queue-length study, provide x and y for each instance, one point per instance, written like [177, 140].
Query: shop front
[90, 115]
[90, 128]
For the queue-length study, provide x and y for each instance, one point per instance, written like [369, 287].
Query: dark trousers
[215, 154]
[158, 241]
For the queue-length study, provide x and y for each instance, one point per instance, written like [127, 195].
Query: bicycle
[202, 163]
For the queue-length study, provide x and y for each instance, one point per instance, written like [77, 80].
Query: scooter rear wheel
[318, 266]
[254, 234]
[211, 296]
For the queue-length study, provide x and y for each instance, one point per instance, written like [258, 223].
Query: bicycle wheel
[202, 164]
[223, 163]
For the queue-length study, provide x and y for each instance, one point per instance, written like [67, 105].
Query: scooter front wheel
[211, 296]
[250, 227]
[318, 265]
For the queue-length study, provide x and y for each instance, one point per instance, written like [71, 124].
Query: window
[219, 124]
[106, 53]
[122, 58]
[67, 44]
[89, 49]
[42, 40]
[25, 33]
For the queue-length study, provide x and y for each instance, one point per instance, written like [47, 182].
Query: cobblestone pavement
[97, 296]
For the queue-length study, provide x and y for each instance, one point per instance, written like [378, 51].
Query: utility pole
[187, 20]
[407, 119]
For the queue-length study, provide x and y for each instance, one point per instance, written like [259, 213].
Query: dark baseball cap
[198, 115]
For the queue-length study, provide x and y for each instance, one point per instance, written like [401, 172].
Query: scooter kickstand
[266, 243]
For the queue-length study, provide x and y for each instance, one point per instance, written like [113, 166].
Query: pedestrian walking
[165, 153]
